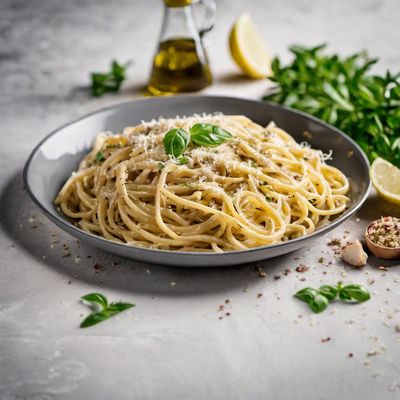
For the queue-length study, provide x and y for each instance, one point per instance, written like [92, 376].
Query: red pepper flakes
[302, 268]
[327, 339]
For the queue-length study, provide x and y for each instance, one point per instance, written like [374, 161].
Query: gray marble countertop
[173, 345]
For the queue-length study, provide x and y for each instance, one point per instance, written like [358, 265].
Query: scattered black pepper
[97, 268]
[335, 242]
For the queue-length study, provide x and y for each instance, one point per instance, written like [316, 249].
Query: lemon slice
[386, 179]
[248, 48]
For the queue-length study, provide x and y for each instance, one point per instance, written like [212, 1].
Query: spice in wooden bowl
[383, 237]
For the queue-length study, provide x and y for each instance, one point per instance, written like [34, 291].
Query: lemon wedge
[248, 48]
[386, 179]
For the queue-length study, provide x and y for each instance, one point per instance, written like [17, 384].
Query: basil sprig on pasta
[177, 140]
[208, 135]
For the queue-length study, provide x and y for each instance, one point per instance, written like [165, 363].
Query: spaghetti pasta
[258, 188]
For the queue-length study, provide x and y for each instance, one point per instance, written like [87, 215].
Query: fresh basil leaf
[330, 292]
[115, 308]
[94, 318]
[208, 135]
[307, 294]
[109, 81]
[344, 296]
[108, 310]
[96, 298]
[356, 292]
[319, 303]
[176, 141]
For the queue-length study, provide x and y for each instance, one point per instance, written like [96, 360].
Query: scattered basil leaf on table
[102, 310]
[96, 298]
[318, 299]
[356, 292]
[109, 81]
[343, 92]
[344, 296]
[330, 292]
[306, 294]
[319, 303]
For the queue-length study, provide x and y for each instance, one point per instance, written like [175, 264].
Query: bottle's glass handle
[210, 9]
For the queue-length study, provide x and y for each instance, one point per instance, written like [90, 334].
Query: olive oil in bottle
[180, 65]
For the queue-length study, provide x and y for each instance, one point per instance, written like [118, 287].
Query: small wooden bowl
[387, 253]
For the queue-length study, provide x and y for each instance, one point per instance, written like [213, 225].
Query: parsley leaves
[109, 81]
[342, 91]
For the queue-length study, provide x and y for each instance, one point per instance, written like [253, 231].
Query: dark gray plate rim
[64, 223]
